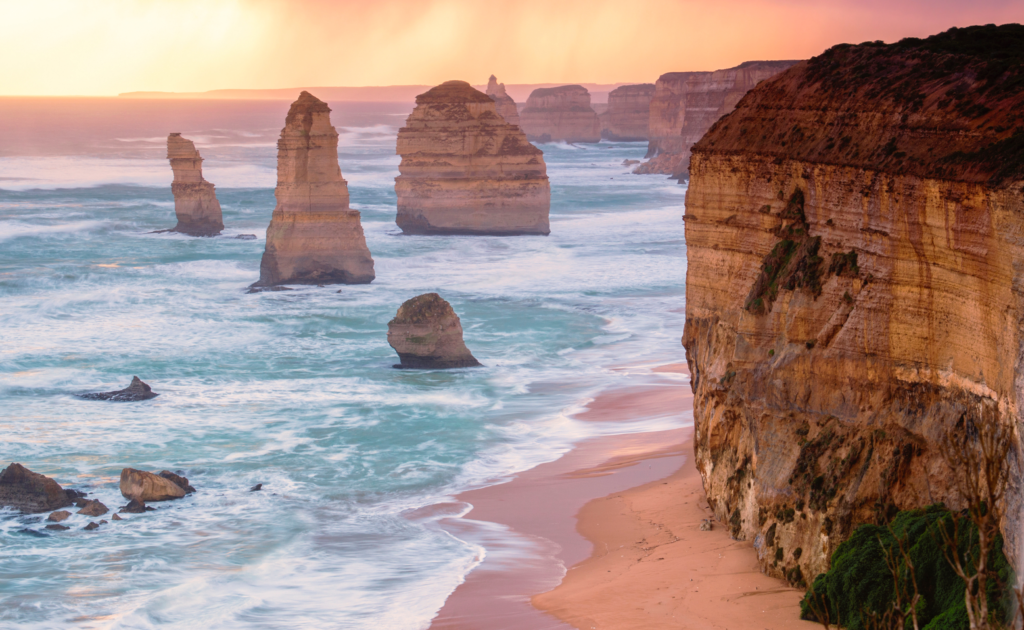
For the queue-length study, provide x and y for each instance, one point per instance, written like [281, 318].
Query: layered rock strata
[195, 201]
[560, 114]
[136, 391]
[313, 237]
[465, 170]
[855, 287]
[427, 334]
[629, 110]
[502, 101]
[686, 104]
[30, 492]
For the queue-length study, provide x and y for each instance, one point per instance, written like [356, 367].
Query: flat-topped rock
[560, 114]
[427, 334]
[502, 101]
[628, 113]
[465, 170]
[314, 236]
[30, 492]
[136, 391]
[195, 201]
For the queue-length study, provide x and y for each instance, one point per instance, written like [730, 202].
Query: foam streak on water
[295, 389]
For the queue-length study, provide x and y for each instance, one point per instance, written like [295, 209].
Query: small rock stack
[427, 334]
[195, 202]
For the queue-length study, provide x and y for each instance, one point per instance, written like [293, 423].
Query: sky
[105, 47]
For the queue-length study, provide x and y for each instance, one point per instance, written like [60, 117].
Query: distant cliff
[560, 114]
[855, 286]
[686, 104]
[629, 109]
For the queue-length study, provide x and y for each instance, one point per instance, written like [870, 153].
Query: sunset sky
[103, 47]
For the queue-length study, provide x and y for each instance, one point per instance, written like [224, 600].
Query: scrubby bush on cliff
[860, 589]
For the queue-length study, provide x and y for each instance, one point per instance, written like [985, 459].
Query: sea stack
[504, 103]
[560, 114]
[427, 334]
[629, 110]
[686, 104]
[465, 170]
[314, 237]
[195, 202]
[854, 288]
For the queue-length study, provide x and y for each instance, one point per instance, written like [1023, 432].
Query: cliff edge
[855, 287]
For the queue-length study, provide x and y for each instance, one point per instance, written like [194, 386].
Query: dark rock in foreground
[30, 492]
[178, 480]
[135, 507]
[427, 334]
[91, 526]
[57, 527]
[256, 488]
[58, 516]
[93, 508]
[134, 392]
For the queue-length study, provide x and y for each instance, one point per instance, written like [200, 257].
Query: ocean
[292, 389]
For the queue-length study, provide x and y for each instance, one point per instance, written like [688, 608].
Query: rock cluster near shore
[854, 290]
[560, 114]
[30, 492]
[314, 236]
[427, 334]
[465, 170]
[195, 202]
[628, 114]
[686, 104]
[502, 101]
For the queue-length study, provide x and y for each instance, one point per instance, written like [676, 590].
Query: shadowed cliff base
[854, 288]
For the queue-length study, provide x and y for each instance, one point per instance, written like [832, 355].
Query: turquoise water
[295, 389]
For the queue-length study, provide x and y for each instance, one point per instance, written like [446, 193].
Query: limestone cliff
[560, 114]
[314, 237]
[629, 109]
[465, 170]
[855, 286]
[686, 104]
[427, 335]
[506, 106]
[195, 202]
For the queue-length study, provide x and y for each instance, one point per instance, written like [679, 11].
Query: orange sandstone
[560, 114]
[195, 202]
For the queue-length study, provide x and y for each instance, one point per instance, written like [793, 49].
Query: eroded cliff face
[855, 287]
[686, 104]
[195, 202]
[560, 114]
[465, 170]
[314, 237]
[629, 109]
[502, 101]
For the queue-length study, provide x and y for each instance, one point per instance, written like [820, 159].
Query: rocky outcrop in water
[30, 492]
[143, 486]
[195, 202]
[855, 287]
[560, 114]
[93, 508]
[502, 101]
[314, 237]
[427, 334]
[135, 392]
[465, 170]
[629, 110]
[686, 104]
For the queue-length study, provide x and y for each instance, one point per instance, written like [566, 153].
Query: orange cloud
[109, 46]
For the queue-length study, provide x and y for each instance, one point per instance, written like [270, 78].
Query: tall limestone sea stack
[686, 104]
[560, 114]
[465, 170]
[506, 106]
[855, 287]
[629, 110]
[195, 202]
[314, 237]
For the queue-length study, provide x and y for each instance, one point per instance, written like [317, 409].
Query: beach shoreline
[638, 494]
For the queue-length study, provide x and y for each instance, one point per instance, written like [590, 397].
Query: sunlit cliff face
[104, 47]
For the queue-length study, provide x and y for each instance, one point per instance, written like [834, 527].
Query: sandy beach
[623, 512]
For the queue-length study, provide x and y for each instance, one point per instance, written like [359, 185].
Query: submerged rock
[30, 492]
[427, 334]
[56, 527]
[314, 236]
[93, 508]
[256, 488]
[465, 170]
[58, 516]
[195, 202]
[91, 526]
[560, 114]
[135, 507]
[115, 517]
[144, 486]
[135, 392]
[502, 101]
